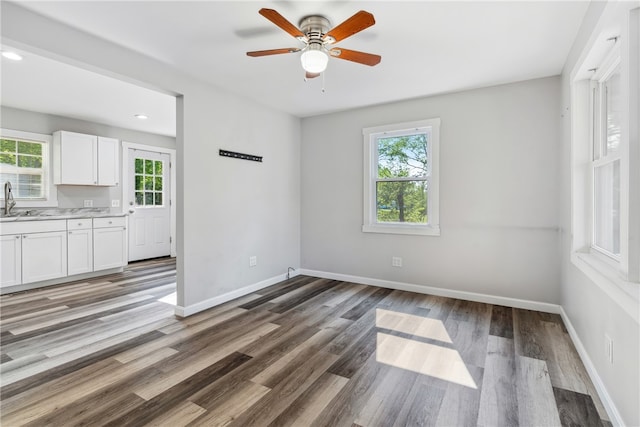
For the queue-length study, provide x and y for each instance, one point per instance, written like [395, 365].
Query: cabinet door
[11, 260]
[44, 256]
[78, 159]
[108, 161]
[80, 251]
[109, 248]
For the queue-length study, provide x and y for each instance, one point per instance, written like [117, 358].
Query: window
[149, 185]
[605, 173]
[401, 178]
[605, 168]
[24, 161]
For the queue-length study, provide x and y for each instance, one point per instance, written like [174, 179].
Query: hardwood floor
[305, 352]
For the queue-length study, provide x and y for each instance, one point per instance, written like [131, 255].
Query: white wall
[591, 309]
[73, 196]
[498, 195]
[227, 209]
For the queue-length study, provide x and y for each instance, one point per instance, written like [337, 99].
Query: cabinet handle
[24, 236]
[17, 237]
[70, 232]
[79, 223]
[110, 222]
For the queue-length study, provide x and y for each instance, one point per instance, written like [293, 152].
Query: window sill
[424, 230]
[626, 294]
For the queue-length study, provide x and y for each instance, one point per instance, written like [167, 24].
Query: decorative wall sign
[242, 156]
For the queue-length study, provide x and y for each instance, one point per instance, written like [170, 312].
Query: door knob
[132, 210]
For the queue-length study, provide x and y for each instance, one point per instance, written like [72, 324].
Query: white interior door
[149, 204]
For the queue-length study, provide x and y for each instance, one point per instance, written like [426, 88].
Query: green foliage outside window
[398, 197]
[21, 163]
[149, 185]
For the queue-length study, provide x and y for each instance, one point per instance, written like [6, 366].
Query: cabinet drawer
[109, 222]
[79, 224]
[22, 227]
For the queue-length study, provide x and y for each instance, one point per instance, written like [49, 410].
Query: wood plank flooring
[305, 352]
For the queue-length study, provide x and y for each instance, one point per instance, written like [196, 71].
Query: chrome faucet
[9, 203]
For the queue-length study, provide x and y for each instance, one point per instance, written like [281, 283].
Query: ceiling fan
[317, 35]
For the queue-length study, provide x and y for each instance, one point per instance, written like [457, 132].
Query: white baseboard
[450, 293]
[614, 414]
[221, 299]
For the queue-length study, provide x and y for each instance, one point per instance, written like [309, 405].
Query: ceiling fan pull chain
[323, 82]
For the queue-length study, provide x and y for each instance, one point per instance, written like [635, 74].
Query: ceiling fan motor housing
[314, 27]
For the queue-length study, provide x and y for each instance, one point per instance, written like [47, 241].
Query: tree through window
[401, 180]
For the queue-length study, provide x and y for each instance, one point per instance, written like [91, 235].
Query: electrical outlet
[253, 261]
[88, 203]
[396, 261]
[608, 348]
[115, 203]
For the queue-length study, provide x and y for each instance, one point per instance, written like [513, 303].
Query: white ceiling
[47, 86]
[426, 47]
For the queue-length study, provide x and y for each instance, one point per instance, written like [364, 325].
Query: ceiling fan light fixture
[314, 58]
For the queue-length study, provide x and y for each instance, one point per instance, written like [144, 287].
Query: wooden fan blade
[356, 56]
[351, 26]
[281, 22]
[272, 51]
[311, 75]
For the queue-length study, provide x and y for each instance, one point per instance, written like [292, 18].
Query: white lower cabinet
[79, 246]
[44, 256]
[36, 251]
[11, 259]
[109, 243]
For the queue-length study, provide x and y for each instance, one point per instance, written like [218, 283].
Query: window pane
[148, 198]
[404, 201]
[8, 159]
[614, 111]
[148, 167]
[11, 177]
[139, 198]
[158, 167]
[29, 162]
[139, 182]
[28, 186]
[403, 156]
[34, 148]
[148, 183]
[158, 183]
[158, 199]
[607, 207]
[7, 146]
[139, 166]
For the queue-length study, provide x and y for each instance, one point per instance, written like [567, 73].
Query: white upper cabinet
[107, 161]
[81, 159]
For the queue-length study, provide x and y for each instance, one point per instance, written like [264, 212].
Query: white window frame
[618, 278]
[370, 136]
[50, 198]
[599, 155]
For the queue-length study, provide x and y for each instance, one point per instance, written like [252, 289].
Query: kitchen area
[82, 183]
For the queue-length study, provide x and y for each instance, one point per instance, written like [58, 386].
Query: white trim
[430, 290]
[221, 299]
[172, 177]
[607, 401]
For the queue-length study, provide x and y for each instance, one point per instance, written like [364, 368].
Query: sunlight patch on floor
[423, 358]
[170, 299]
[411, 324]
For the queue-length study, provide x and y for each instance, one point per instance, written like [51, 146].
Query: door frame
[172, 178]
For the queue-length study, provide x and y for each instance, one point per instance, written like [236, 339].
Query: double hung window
[401, 178]
[24, 161]
[606, 124]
